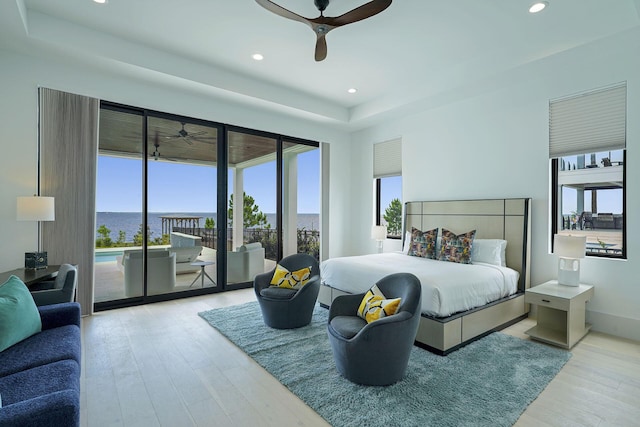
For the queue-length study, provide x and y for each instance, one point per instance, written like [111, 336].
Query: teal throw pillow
[19, 316]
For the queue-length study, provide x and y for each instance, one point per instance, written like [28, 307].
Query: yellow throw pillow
[375, 306]
[284, 278]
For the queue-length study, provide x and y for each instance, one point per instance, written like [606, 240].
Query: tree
[122, 237]
[105, 239]
[209, 223]
[393, 216]
[137, 238]
[252, 216]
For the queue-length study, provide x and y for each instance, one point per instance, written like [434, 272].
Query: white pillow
[490, 251]
[407, 243]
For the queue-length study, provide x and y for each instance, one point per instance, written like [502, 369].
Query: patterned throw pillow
[375, 306]
[284, 278]
[423, 243]
[456, 248]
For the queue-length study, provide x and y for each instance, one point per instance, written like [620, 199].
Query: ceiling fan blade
[192, 134]
[279, 10]
[321, 47]
[359, 13]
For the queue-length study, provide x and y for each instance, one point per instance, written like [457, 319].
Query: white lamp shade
[379, 232]
[36, 208]
[570, 246]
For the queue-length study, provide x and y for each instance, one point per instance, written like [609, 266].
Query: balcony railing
[308, 240]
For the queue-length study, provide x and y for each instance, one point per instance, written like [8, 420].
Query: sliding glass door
[252, 206]
[188, 207]
[181, 205]
[301, 198]
[119, 204]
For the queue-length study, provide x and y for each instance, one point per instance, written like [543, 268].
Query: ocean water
[129, 222]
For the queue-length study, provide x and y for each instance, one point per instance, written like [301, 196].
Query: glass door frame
[221, 202]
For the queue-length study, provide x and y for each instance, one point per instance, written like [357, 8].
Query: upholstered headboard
[507, 219]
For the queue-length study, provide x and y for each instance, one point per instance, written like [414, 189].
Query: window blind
[590, 122]
[387, 158]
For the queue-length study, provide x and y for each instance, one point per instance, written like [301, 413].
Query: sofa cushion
[347, 326]
[47, 395]
[275, 292]
[48, 346]
[250, 247]
[19, 316]
[186, 254]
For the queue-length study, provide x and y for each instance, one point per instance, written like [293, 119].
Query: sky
[390, 189]
[176, 187]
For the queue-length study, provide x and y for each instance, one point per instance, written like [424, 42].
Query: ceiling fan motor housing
[321, 4]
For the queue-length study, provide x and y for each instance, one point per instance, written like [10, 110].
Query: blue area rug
[489, 382]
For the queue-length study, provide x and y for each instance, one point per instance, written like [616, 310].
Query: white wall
[491, 141]
[488, 140]
[21, 75]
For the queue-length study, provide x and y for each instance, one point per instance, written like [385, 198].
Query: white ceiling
[414, 50]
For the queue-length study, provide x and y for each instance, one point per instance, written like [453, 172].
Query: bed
[460, 302]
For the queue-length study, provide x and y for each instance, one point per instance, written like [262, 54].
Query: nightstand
[561, 312]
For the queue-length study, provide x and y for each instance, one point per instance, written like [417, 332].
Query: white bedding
[447, 287]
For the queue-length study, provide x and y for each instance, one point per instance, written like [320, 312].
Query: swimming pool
[106, 255]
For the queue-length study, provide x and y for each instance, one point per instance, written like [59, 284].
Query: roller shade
[590, 122]
[387, 158]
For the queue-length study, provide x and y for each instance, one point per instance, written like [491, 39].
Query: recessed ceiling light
[352, 90]
[100, 1]
[257, 57]
[538, 7]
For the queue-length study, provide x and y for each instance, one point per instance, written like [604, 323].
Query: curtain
[68, 143]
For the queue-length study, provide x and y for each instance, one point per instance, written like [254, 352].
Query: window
[389, 205]
[387, 172]
[587, 147]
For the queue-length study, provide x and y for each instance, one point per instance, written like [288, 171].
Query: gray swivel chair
[62, 289]
[376, 353]
[288, 308]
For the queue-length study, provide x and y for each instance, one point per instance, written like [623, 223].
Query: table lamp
[35, 208]
[379, 233]
[569, 250]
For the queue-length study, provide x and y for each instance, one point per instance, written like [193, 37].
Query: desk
[31, 277]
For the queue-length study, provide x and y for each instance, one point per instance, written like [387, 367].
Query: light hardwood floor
[162, 365]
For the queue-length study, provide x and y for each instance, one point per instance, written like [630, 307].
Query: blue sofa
[40, 376]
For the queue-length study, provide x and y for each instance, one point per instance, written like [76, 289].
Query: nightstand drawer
[547, 301]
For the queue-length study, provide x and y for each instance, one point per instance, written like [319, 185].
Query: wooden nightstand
[561, 312]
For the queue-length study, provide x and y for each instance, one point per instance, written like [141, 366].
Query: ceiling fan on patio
[323, 24]
[188, 137]
[156, 152]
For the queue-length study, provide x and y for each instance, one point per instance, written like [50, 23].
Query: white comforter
[447, 287]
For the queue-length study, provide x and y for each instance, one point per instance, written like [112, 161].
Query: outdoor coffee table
[202, 265]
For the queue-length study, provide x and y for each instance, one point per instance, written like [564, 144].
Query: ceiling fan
[156, 150]
[323, 24]
[187, 136]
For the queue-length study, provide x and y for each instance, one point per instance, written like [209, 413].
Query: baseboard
[623, 327]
